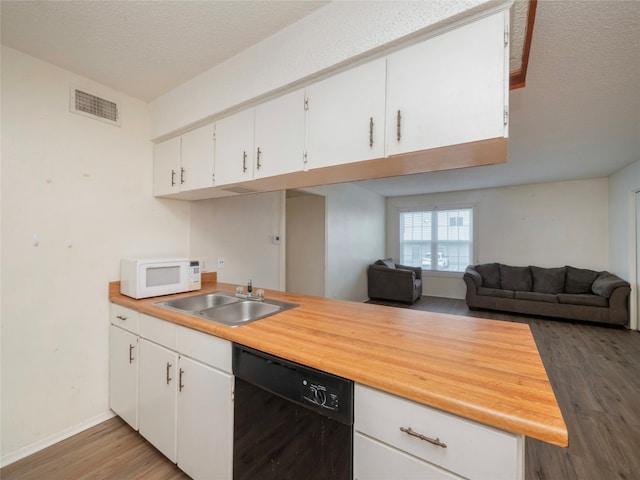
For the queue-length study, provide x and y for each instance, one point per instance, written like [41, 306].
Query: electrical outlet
[204, 262]
[220, 263]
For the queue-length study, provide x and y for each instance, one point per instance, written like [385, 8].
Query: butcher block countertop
[486, 370]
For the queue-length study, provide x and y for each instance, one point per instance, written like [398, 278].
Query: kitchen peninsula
[486, 371]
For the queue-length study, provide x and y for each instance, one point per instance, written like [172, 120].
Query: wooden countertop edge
[544, 423]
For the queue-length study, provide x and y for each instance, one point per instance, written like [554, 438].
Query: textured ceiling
[143, 48]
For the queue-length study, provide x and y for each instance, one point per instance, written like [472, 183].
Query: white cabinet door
[205, 421]
[197, 167]
[345, 117]
[157, 397]
[234, 148]
[123, 375]
[279, 135]
[166, 167]
[450, 89]
[373, 460]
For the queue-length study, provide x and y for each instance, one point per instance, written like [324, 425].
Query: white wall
[305, 244]
[239, 230]
[67, 178]
[550, 224]
[355, 238]
[333, 35]
[622, 237]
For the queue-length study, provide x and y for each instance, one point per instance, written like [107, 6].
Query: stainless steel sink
[240, 312]
[224, 308]
[198, 302]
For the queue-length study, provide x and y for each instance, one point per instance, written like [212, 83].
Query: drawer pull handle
[433, 441]
[121, 317]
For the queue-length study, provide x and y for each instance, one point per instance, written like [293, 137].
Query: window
[437, 239]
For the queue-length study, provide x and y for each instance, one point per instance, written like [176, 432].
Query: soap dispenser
[249, 288]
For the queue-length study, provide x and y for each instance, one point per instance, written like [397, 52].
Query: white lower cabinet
[158, 397]
[175, 386]
[123, 374]
[377, 461]
[392, 441]
[205, 421]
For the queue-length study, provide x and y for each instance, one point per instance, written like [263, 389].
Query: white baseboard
[58, 437]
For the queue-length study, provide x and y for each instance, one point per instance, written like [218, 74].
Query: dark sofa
[387, 280]
[564, 292]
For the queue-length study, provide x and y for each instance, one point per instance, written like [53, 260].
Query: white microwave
[143, 278]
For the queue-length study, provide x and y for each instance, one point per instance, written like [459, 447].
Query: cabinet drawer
[376, 461]
[472, 450]
[124, 318]
[205, 348]
[158, 331]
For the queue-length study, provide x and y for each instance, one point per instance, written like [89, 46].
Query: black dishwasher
[291, 422]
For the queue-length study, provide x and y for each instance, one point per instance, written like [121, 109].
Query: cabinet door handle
[180, 385]
[131, 359]
[181, 175]
[371, 132]
[433, 441]
[399, 124]
[121, 317]
[258, 156]
[173, 177]
[168, 370]
[244, 161]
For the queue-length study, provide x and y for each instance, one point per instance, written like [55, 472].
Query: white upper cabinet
[166, 167]
[184, 163]
[197, 158]
[279, 135]
[449, 89]
[234, 148]
[345, 116]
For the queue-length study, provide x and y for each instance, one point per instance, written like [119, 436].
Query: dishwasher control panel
[319, 394]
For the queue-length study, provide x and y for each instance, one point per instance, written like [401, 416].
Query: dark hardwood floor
[594, 371]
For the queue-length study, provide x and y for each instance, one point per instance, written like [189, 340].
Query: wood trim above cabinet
[517, 79]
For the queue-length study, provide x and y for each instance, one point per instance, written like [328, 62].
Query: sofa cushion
[606, 283]
[579, 280]
[548, 280]
[496, 292]
[490, 275]
[537, 297]
[515, 278]
[586, 299]
[387, 262]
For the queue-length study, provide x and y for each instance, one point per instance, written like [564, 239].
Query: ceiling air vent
[93, 106]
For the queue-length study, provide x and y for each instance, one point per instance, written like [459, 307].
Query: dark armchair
[388, 281]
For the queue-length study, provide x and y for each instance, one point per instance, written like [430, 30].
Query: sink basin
[225, 308]
[199, 302]
[240, 312]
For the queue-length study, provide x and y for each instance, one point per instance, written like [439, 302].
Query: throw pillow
[515, 278]
[388, 262]
[606, 283]
[548, 280]
[579, 280]
[490, 275]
